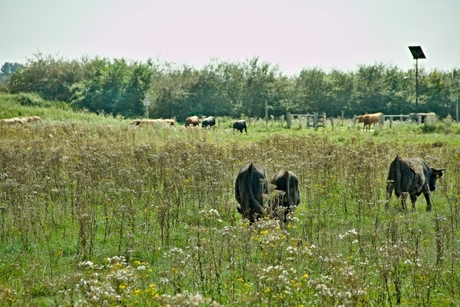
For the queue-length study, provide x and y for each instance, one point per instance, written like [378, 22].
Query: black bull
[240, 125]
[288, 195]
[250, 186]
[411, 177]
[209, 122]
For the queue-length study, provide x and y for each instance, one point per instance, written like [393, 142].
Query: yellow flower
[305, 276]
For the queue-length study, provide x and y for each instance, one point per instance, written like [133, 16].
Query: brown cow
[31, 119]
[250, 187]
[369, 119]
[21, 120]
[192, 121]
[153, 121]
[287, 193]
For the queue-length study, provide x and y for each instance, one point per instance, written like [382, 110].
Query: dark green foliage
[118, 87]
[7, 69]
[115, 87]
[48, 76]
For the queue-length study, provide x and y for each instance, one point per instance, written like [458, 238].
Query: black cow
[288, 195]
[411, 177]
[240, 125]
[208, 122]
[250, 186]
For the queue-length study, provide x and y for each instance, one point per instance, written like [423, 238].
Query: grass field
[101, 213]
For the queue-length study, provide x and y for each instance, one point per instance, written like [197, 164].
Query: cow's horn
[440, 169]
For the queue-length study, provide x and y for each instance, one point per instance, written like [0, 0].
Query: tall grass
[104, 214]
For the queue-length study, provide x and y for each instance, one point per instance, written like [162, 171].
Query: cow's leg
[413, 199]
[390, 187]
[428, 201]
[403, 201]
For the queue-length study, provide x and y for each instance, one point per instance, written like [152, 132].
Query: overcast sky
[293, 34]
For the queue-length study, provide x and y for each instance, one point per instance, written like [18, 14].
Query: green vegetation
[118, 87]
[95, 212]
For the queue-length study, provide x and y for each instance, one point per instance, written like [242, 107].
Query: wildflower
[141, 268]
[137, 291]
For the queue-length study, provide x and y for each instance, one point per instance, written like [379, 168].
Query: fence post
[288, 120]
[315, 120]
[382, 119]
[266, 112]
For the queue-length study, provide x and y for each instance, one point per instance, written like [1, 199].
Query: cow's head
[435, 174]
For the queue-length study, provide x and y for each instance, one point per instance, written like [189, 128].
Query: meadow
[101, 213]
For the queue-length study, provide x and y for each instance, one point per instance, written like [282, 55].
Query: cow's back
[250, 185]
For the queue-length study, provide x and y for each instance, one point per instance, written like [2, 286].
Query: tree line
[119, 86]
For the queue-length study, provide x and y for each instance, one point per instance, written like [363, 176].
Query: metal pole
[416, 86]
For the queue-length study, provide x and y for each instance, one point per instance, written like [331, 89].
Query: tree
[171, 92]
[9, 68]
[311, 91]
[260, 87]
[112, 86]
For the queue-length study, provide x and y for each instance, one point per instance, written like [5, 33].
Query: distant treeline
[119, 86]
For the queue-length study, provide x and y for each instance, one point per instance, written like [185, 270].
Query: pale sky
[293, 34]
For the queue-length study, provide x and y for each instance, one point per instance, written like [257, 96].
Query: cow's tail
[397, 174]
[394, 179]
[257, 206]
[288, 189]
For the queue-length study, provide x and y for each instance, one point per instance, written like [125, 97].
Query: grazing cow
[21, 120]
[153, 121]
[209, 122]
[431, 117]
[240, 125]
[192, 121]
[31, 119]
[369, 119]
[288, 195]
[412, 177]
[250, 186]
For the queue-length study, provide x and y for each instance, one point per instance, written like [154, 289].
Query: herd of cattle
[406, 176]
[192, 121]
